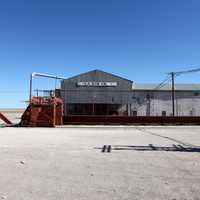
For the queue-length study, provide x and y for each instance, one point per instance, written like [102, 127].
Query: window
[148, 96]
[164, 113]
[192, 112]
[135, 113]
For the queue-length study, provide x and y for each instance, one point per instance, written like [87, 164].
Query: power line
[163, 83]
[186, 71]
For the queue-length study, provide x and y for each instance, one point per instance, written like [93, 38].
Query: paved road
[66, 163]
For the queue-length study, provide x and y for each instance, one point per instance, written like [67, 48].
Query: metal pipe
[47, 75]
[31, 84]
[41, 75]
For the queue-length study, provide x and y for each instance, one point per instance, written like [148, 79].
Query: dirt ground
[68, 163]
[14, 115]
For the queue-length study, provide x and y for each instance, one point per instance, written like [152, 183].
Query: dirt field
[67, 163]
[14, 115]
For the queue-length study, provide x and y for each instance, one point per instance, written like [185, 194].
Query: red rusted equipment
[5, 119]
[43, 112]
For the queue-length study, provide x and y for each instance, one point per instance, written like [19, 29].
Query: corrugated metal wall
[133, 102]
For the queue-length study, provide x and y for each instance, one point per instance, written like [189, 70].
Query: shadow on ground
[150, 147]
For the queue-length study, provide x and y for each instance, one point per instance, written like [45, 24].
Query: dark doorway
[93, 109]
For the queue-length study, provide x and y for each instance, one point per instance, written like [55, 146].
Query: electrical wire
[163, 83]
[186, 71]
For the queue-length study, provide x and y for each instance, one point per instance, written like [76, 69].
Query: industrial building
[101, 93]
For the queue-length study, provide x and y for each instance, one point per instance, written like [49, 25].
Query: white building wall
[186, 104]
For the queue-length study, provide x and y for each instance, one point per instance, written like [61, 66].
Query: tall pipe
[41, 75]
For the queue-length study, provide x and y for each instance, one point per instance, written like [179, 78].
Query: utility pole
[173, 94]
[173, 74]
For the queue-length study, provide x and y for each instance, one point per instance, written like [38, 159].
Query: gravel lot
[67, 163]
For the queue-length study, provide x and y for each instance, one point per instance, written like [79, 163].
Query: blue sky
[141, 40]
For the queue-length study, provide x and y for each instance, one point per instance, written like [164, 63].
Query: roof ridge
[98, 70]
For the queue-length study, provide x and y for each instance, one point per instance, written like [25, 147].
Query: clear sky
[138, 39]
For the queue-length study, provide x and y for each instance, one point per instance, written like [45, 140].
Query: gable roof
[99, 71]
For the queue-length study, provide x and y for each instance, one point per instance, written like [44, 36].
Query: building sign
[97, 84]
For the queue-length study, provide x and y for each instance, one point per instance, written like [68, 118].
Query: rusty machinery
[43, 111]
